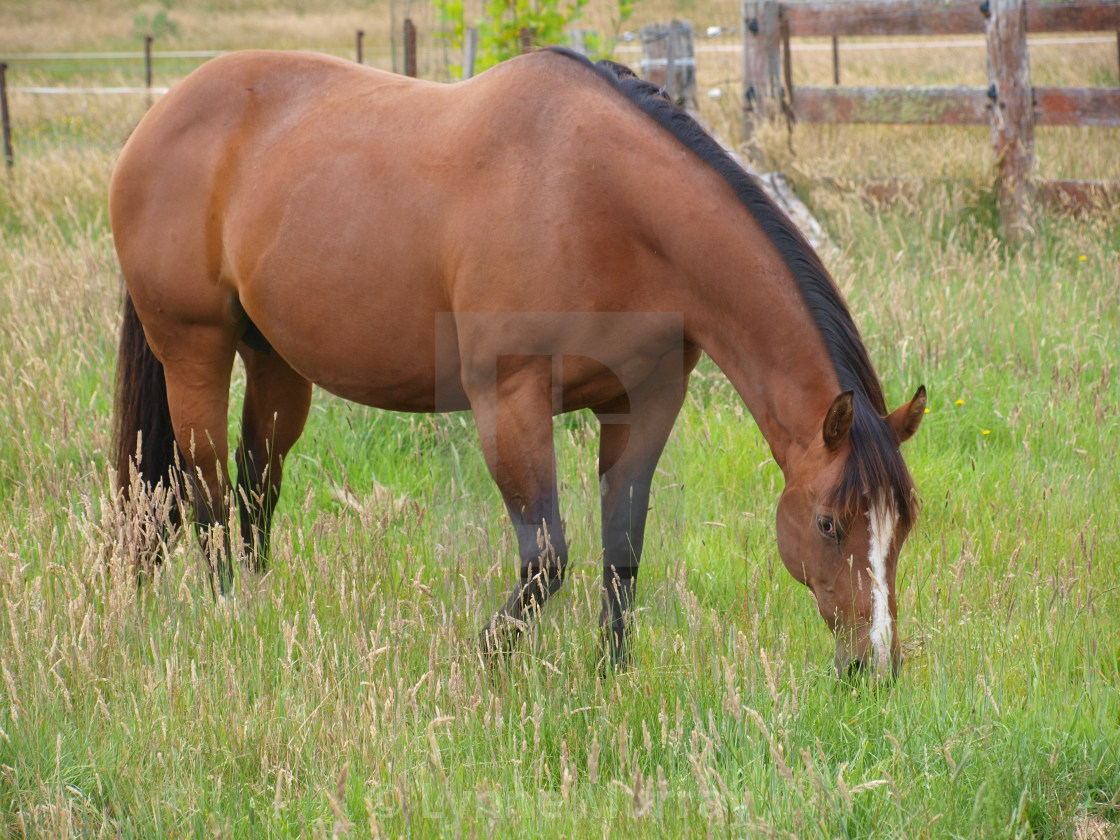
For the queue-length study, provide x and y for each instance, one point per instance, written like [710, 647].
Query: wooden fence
[669, 59]
[1010, 105]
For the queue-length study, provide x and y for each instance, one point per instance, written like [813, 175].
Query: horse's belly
[398, 373]
[421, 393]
[377, 348]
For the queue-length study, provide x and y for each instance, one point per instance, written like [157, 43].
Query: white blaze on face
[884, 518]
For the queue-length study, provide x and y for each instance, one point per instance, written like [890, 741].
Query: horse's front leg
[633, 433]
[514, 419]
[277, 400]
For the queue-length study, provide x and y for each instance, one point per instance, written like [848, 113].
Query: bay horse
[548, 236]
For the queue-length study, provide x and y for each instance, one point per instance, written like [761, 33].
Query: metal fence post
[358, 44]
[470, 50]
[5, 117]
[148, 67]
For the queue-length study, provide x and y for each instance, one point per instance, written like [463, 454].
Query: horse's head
[848, 506]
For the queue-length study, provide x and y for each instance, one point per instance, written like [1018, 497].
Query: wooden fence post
[762, 64]
[669, 60]
[409, 48]
[358, 44]
[526, 36]
[5, 117]
[1012, 113]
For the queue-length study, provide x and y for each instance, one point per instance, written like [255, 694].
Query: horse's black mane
[874, 459]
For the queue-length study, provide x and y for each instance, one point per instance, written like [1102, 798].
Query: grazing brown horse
[542, 238]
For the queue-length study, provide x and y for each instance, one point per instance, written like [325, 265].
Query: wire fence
[437, 55]
[718, 52]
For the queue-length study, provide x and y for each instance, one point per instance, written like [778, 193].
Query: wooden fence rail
[1010, 105]
[923, 17]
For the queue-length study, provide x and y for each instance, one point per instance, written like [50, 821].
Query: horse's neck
[751, 319]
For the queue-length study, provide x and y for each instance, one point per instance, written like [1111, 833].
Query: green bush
[158, 25]
[499, 31]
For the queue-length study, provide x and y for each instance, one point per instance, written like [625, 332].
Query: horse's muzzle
[856, 668]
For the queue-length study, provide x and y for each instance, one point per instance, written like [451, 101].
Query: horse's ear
[838, 421]
[906, 419]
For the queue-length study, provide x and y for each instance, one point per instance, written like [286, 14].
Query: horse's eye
[827, 526]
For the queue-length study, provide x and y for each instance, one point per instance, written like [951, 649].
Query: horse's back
[241, 135]
[250, 188]
[248, 107]
[312, 194]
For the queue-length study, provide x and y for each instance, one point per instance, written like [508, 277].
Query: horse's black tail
[143, 419]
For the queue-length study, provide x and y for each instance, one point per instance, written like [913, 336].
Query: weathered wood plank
[1078, 106]
[901, 105]
[930, 17]
[883, 17]
[949, 105]
[1082, 16]
[1079, 196]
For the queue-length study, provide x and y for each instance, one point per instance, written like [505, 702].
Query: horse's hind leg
[197, 366]
[277, 400]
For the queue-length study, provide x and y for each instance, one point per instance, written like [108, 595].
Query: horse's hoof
[499, 637]
[487, 643]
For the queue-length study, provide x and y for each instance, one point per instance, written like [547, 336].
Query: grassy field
[341, 694]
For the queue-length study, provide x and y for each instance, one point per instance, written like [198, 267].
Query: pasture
[342, 693]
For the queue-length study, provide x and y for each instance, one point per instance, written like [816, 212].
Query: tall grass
[342, 695]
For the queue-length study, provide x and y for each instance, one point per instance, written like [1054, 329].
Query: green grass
[342, 694]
